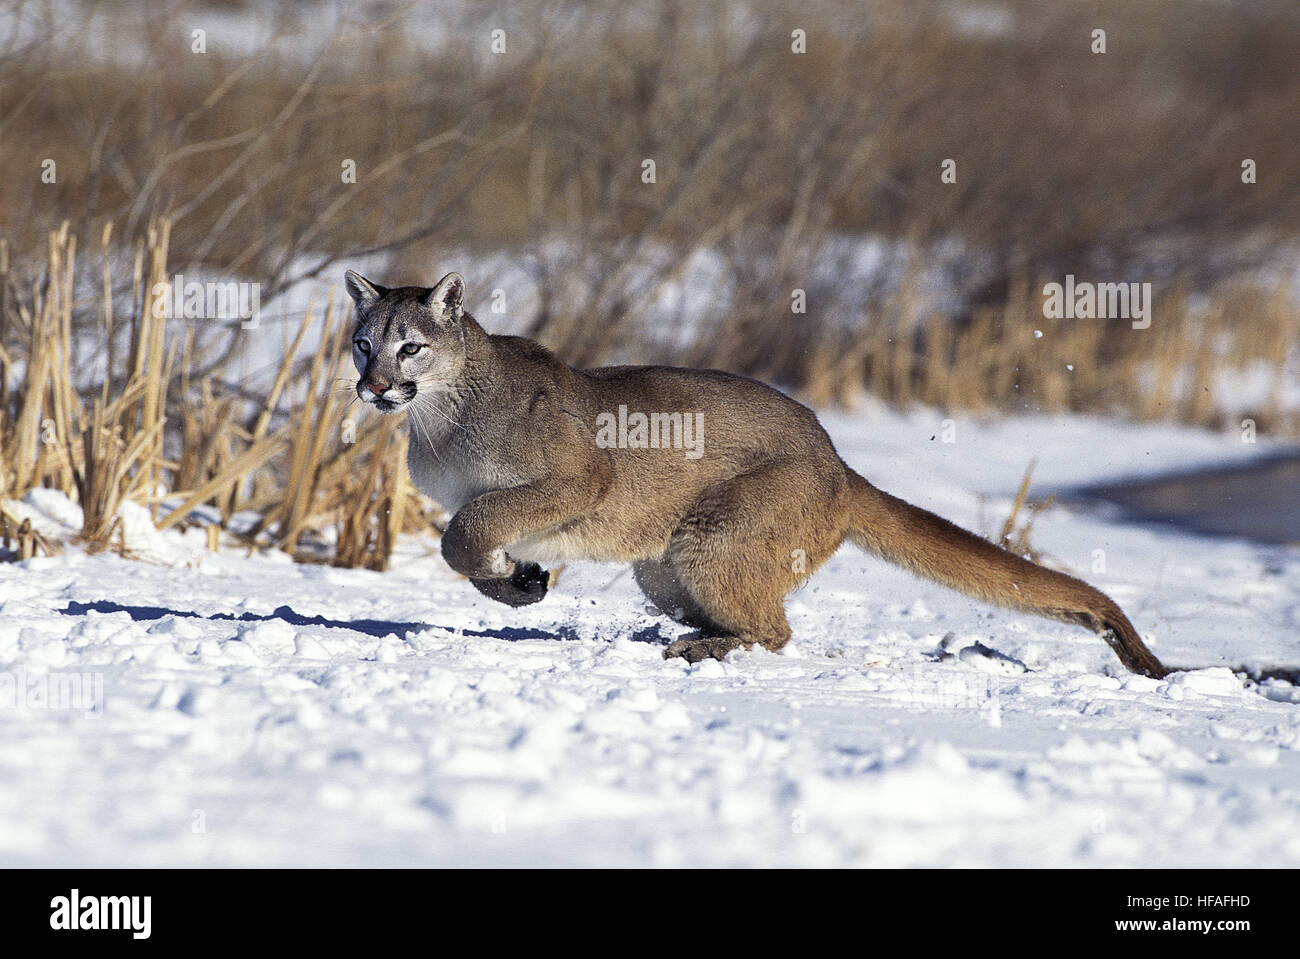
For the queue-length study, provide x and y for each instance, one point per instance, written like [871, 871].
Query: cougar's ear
[448, 297]
[362, 291]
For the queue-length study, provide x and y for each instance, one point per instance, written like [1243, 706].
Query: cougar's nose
[379, 389]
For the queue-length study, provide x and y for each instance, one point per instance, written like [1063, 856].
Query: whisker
[420, 427]
[447, 419]
[432, 406]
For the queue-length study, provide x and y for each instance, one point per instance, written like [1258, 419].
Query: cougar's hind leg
[662, 586]
[743, 547]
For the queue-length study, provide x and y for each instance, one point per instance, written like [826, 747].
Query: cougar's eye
[362, 345]
[410, 349]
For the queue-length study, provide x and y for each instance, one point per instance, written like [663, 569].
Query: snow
[251, 711]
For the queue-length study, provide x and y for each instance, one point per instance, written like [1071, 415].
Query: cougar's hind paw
[696, 650]
[526, 585]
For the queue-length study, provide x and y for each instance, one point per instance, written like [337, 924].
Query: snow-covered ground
[249, 711]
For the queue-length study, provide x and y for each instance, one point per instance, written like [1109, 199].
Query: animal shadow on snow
[371, 627]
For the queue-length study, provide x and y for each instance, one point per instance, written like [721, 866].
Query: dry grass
[19, 540]
[1010, 357]
[299, 476]
[244, 153]
[103, 451]
[1115, 167]
[1118, 166]
[1016, 530]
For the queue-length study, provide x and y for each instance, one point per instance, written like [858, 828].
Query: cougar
[723, 493]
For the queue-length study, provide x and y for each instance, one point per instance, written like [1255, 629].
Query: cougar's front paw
[467, 556]
[526, 585]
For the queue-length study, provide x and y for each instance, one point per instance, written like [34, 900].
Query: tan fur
[503, 434]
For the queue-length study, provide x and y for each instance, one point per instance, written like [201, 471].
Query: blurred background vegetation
[775, 171]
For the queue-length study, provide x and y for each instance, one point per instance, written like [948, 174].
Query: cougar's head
[408, 341]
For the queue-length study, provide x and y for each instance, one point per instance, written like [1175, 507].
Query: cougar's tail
[932, 547]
